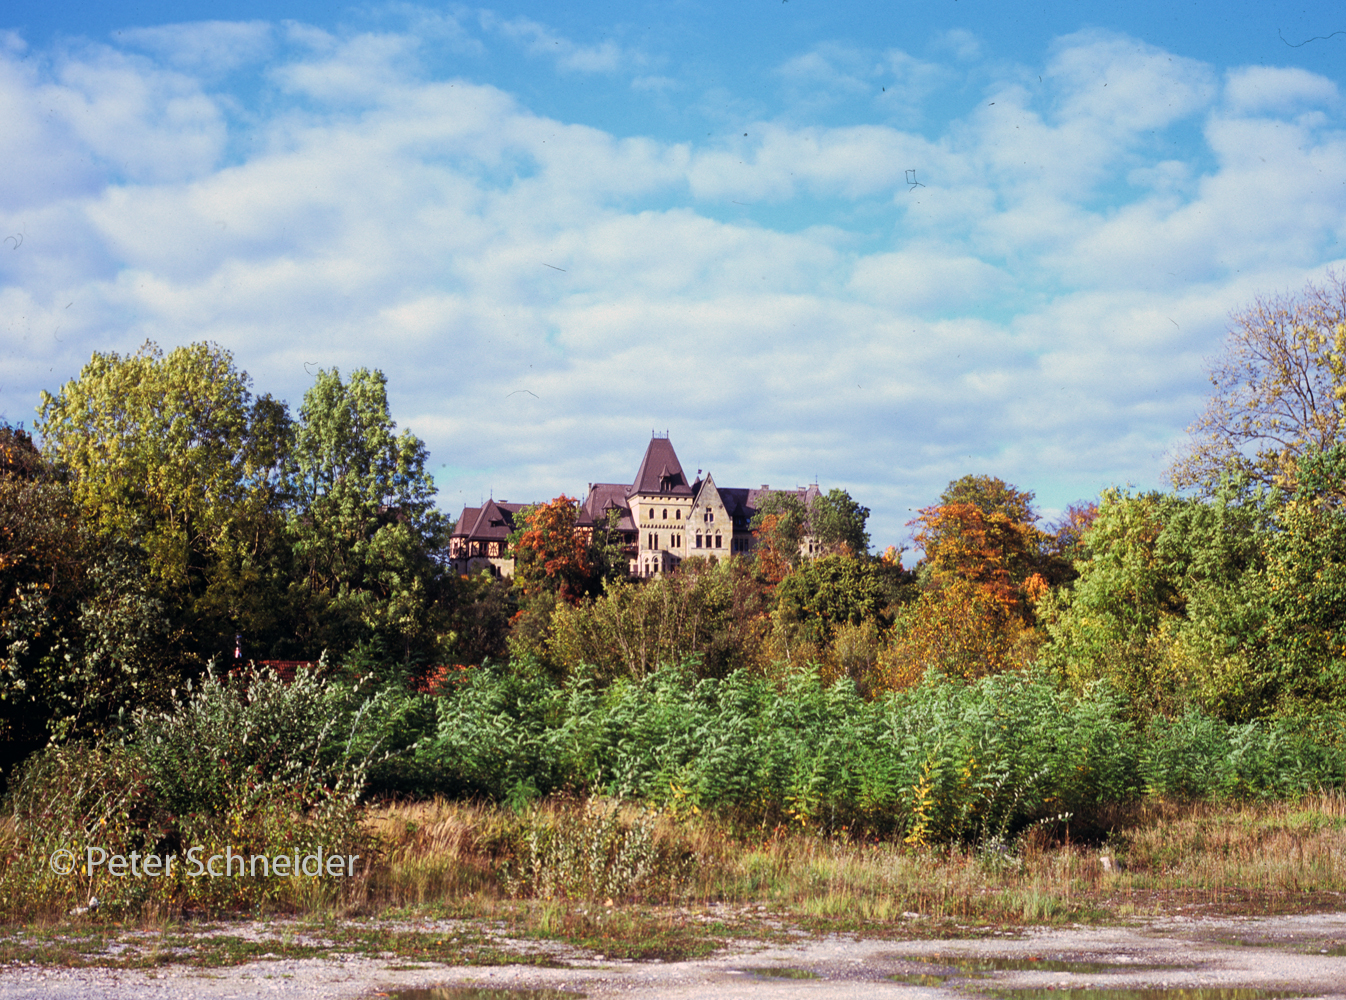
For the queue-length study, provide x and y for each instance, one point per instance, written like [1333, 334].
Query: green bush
[247, 763]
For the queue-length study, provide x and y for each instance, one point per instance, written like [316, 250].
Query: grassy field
[625, 882]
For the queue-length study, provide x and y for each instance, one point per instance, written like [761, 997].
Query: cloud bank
[1027, 288]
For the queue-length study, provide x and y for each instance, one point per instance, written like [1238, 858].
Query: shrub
[244, 762]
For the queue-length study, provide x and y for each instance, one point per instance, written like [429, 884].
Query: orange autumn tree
[980, 578]
[550, 556]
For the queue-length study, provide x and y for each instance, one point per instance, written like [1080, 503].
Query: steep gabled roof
[660, 471]
[491, 522]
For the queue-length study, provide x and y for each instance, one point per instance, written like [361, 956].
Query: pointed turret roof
[660, 471]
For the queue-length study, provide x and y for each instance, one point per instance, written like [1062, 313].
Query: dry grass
[1160, 856]
[628, 882]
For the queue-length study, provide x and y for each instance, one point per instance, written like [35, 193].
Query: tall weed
[940, 761]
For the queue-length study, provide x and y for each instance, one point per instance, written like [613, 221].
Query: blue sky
[878, 245]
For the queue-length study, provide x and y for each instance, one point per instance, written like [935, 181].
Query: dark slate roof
[660, 471]
[601, 497]
[492, 522]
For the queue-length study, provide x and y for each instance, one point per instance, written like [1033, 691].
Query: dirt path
[1303, 954]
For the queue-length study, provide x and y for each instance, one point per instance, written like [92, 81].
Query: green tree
[1304, 653]
[82, 638]
[838, 522]
[633, 627]
[171, 451]
[1108, 623]
[365, 531]
[822, 594]
[1171, 602]
[173, 455]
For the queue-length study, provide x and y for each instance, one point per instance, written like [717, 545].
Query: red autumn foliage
[550, 555]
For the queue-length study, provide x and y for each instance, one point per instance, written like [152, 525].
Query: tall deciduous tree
[172, 451]
[550, 556]
[1279, 390]
[364, 527]
[173, 455]
[778, 527]
[81, 636]
[980, 578]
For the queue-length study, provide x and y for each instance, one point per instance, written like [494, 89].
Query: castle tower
[660, 499]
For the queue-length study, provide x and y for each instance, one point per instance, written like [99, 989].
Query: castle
[661, 517]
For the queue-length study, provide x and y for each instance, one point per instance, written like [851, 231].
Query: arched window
[717, 541]
[665, 517]
[698, 539]
[651, 513]
[677, 515]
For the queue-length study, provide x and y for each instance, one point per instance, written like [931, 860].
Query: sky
[874, 245]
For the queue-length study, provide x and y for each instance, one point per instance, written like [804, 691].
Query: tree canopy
[362, 521]
[172, 451]
[839, 522]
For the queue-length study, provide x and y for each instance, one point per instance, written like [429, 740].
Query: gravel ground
[1304, 954]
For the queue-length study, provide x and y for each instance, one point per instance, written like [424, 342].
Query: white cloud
[962, 43]
[1277, 89]
[915, 280]
[97, 110]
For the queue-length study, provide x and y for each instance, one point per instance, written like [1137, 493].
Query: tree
[823, 594]
[838, 522]
[993, 551]
[363, 524]
[1303, 656]
[960, 630]
[980, 579]
[81, 636]
[703, 613]
[1171, 602]
[172, 452]
[550, 556]
[173, 456]
[1279, 390]
[1108, 624]
[19, 457]
[991, 495]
